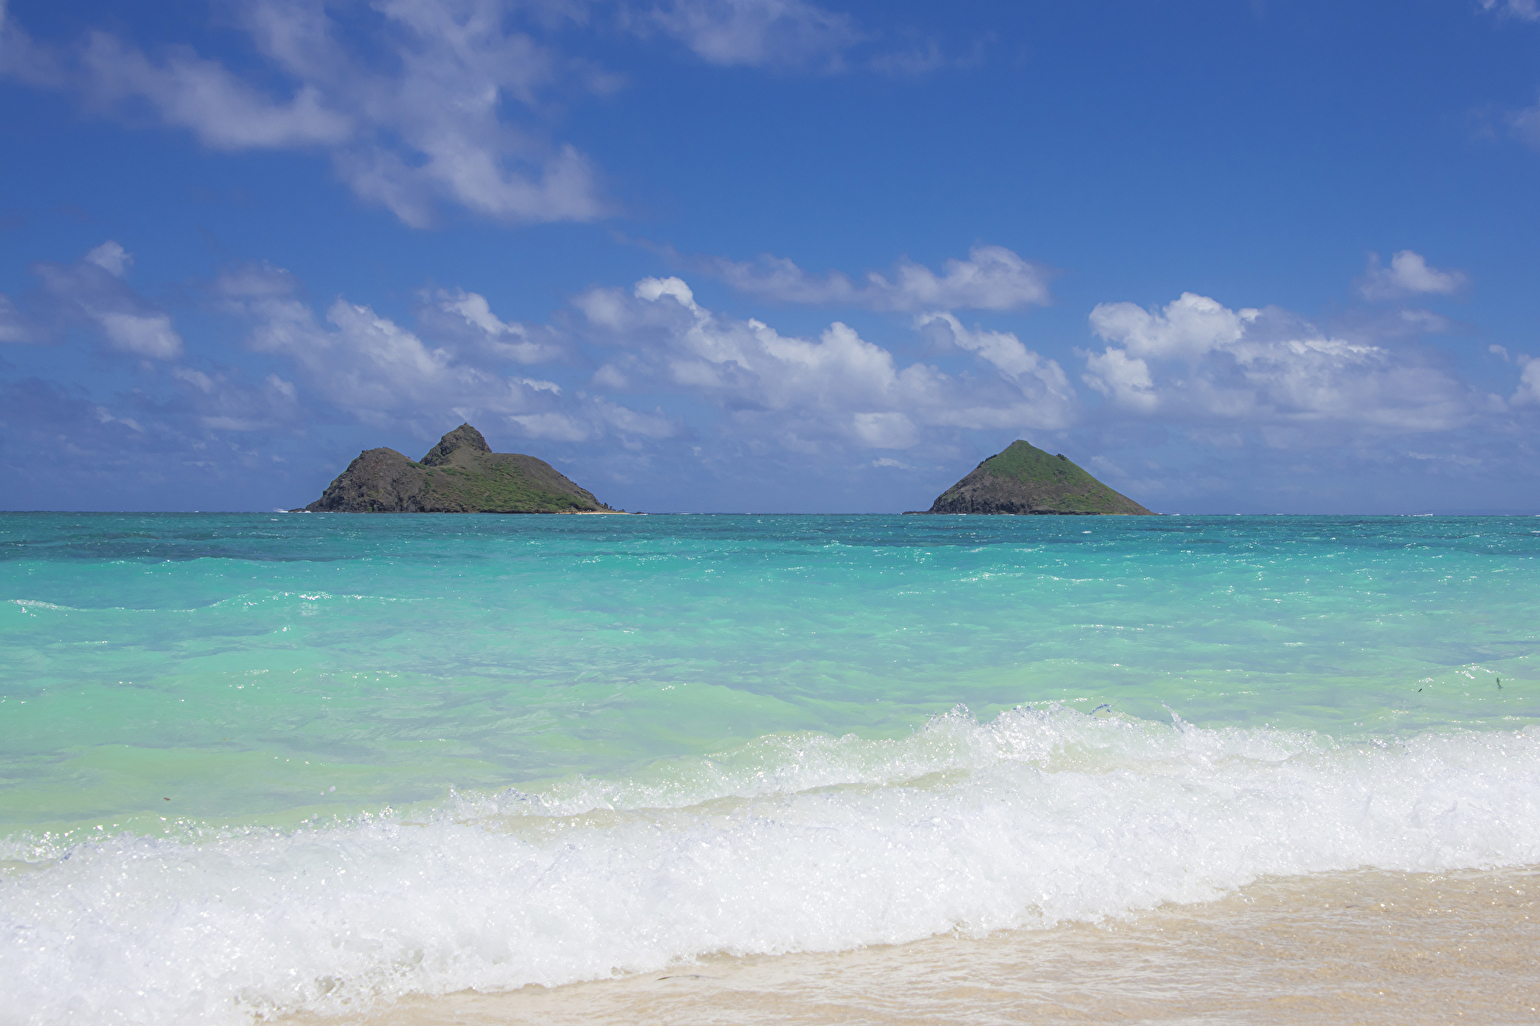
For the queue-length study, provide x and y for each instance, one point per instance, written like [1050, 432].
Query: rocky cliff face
[461, 474]
[1026, 480]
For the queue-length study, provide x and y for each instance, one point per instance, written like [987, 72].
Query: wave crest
[792, 843]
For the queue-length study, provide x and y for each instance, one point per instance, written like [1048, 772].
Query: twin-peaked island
[461, 474]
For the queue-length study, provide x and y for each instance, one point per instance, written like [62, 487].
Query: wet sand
[1361, 947]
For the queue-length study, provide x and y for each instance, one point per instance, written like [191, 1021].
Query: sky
[1230, 256]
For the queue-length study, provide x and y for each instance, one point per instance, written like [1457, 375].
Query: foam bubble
[792, 843]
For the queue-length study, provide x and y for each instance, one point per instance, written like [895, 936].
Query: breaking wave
[791, 843]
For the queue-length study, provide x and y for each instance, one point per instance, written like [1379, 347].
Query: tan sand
[1362, 947]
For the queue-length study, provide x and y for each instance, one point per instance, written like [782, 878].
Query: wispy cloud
[756, 33]
[991, 278]
[440, 122]
[1524, 10]
[786, 35]
[15, 328]
[1526, 125]
[418, 103]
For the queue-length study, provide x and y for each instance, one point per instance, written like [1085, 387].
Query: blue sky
[774, 255]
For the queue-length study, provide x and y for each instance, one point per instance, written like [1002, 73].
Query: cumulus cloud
[1005, 352]
[468, 316]
[383, 374]
[1188, 327]
[1408, 274]
[433, 125]
[1195, 360]
[992, 278]
[811, 395]
[94, 291]
[1122, 378]
[359, 361]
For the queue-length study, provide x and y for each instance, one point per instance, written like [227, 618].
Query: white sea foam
[792, 843]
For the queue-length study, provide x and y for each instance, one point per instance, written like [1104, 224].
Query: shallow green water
[245, 666]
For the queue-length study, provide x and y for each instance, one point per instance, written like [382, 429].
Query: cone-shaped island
[1026, 480]
[461, 474]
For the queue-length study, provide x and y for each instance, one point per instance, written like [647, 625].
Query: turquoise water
[242, 665]
[190, 703]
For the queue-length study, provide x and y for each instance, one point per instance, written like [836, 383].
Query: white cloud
[468, 317]
[756, 33]
[1005, 352]
[195, 93]
[143, 334]
[1528, 391]
[1525, 10]
[809, 395]
[631, 422]
[1122, 378]
[1188, 327]
[370, 366]
[889, 430]
[783, 35]
[1196, 360]
[112, 258]
[1408, 273]
[280, 386]
[436, 126]
[992, 278]
[421, 102]
[199, 380]
[383, 374]
[104, 416]
[94, 291]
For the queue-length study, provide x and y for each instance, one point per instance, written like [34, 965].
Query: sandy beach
[1359, 947]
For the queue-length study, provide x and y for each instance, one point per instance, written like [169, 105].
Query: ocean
[698, 768]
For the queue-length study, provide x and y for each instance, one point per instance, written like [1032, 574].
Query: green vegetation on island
[1026, 480]
[461, 474]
